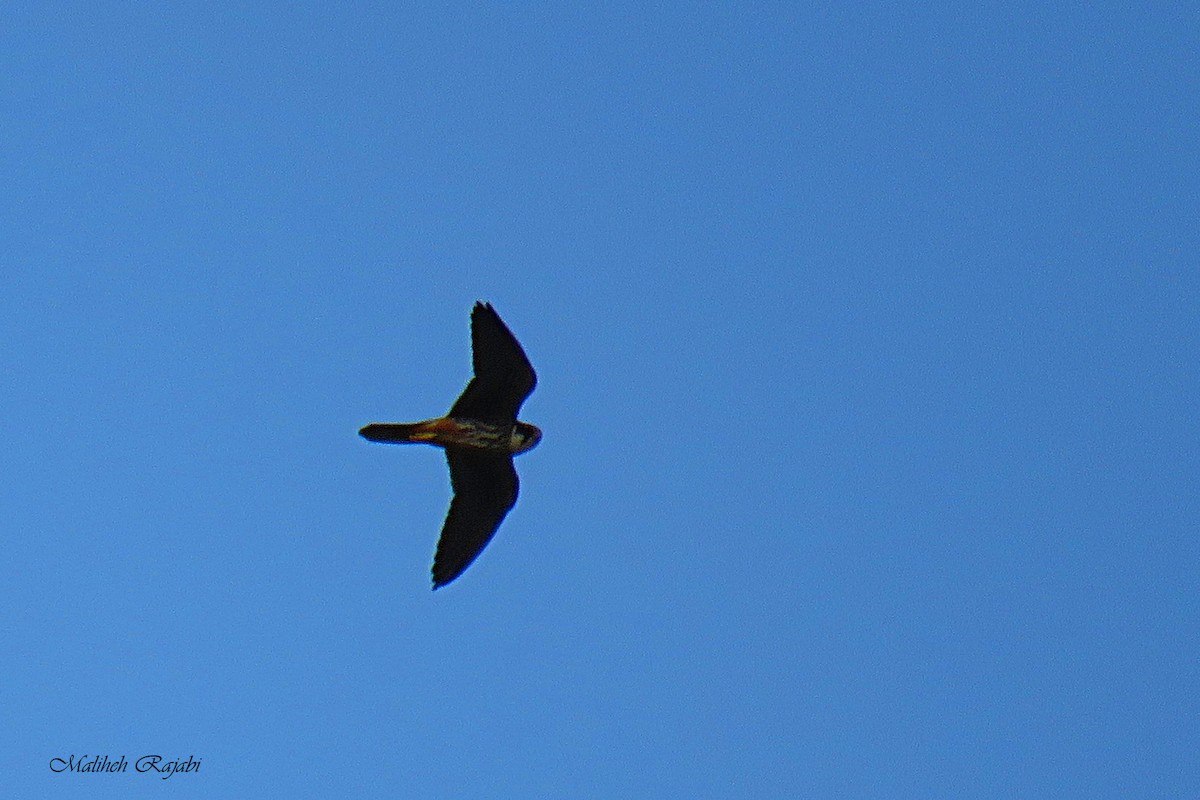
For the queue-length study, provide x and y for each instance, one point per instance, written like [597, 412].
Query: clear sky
[868, 351]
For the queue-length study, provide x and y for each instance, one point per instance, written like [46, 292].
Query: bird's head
[524, 437]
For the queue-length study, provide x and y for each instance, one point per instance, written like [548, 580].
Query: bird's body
[512, 438]
[480, 434]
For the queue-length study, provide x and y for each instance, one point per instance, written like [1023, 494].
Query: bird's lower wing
[485, 488]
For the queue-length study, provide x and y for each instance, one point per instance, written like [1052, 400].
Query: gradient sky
[868, 352]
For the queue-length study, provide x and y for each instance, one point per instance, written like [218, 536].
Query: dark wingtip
[483, 306]
[440, 578]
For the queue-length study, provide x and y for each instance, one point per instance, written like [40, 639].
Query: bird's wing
[485, 488]
[503, 375]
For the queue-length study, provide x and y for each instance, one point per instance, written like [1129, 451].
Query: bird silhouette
[480, 434]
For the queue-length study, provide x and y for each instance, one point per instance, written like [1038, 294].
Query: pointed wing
[503, 375]
[485, 488]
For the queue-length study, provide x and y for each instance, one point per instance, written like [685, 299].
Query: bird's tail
[393, 432]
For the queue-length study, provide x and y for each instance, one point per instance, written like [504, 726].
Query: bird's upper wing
[503, 375]
[485, 488]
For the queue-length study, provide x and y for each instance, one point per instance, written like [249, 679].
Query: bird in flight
[480, 434]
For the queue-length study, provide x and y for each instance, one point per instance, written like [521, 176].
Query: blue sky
[867, 348]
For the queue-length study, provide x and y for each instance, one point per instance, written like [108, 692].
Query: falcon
[480, 435]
